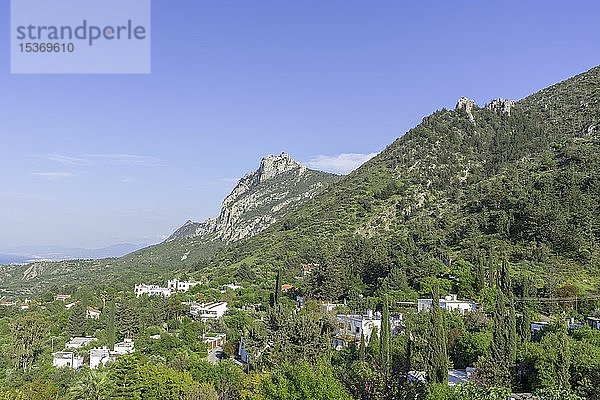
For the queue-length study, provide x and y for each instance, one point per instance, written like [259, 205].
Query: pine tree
[126, 319]
[125, 378]
[77, 321]
[437, 365]
[385, 335]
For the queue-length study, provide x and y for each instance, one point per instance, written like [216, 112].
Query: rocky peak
[467, 105]
[501, 106]
[279, 185]
[271, 166]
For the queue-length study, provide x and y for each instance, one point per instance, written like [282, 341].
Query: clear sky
[93, 160]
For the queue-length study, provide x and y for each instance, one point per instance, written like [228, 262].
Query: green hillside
[517, 180]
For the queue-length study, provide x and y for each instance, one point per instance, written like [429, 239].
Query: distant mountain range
[9, 259]
[24, 254]
[261, 198]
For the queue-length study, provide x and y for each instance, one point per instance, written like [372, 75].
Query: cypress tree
[277, 292]
[504, 344]
[362, 349]
[110, 326]
[385, 334]
[409, 346]
[563, 374]
[437, 366]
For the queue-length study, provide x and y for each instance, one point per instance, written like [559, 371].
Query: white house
[231, 286]
[151, 290]
[66, 359]
[449, 303]
[180, 286]
[79, 342]
[206, 311]
[62, 297]
[92, 313]
[350, 328]
[127, 346]
[99, 357]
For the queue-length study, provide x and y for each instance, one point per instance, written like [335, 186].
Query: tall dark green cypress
[384, 347]
[110, 326]
[504, 343]
[437, 365]
[362, 349]
[278, 284]
[563, 374]
[409, 348]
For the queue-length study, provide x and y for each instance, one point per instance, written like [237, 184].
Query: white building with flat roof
[127, 346]
[350, 327]
[79, 342]
[450, 303]
[66, 359]
[100, 356]
[151, 290]
[206, 311]
[181, 286]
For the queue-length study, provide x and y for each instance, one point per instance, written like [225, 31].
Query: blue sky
[93, 160]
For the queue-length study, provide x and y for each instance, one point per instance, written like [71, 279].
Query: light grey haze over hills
[22, 254]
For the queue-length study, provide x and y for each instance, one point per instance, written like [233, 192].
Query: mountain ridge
[464, 184]
[298, 185]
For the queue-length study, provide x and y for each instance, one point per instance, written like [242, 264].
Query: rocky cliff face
[261, 198]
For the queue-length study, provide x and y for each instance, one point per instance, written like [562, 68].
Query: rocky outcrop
[467, 105]
[501, 106]
[261, 198]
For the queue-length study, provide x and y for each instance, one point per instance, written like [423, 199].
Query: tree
[92, 385]
[276, 296]
[504, 342]
[110, 326]
[126, 379]
[126, 318]
[303, 382]
[385, 335]
[437, 363]
[76, 324]
[27, 333]
[362, 348]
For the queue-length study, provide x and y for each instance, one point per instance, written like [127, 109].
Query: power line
[558, 299]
